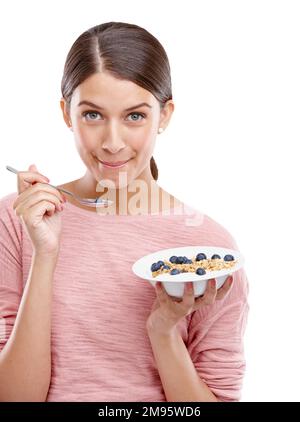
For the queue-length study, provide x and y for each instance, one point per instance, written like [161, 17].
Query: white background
[230, 149]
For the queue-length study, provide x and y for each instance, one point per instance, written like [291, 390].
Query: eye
[137, 114]
[85, 113]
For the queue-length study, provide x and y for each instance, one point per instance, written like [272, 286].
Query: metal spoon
[89, 202]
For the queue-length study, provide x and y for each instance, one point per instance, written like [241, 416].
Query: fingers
[209, 295]
[27, 178]
[37, 211]
[162, 295]
[187, 301]
[37, 189]
[31, 200]
[225, 288]
[188, 297]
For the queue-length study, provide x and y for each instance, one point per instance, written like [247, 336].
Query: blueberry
[200, 256]
[200, 271]
[154, 266]
[180, 260]
[174, 271]
[173, 259]
[216, 256]
[184, 259]
[189, 261]
[228, 258]
[166, 267]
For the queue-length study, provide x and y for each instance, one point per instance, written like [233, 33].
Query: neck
[142, 195]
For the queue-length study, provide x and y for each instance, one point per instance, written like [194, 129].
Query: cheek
[84, 140]
[142, 144]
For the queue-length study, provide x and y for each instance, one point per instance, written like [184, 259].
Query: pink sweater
[100, 348]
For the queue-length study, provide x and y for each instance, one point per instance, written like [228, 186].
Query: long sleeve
[10, 271]
[215, 341]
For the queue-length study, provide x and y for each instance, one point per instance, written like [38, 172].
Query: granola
[199, 264]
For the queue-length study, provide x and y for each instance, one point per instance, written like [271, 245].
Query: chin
[117, 181]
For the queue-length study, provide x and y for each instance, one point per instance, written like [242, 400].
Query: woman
[76, 323]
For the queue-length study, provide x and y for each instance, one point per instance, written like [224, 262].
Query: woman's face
[116, 128]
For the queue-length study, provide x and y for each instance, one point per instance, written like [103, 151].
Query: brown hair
[124, 50]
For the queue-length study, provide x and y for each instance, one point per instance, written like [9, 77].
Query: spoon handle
[12, 169]
[104, 201]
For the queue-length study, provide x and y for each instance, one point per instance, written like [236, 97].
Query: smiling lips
[114, 164]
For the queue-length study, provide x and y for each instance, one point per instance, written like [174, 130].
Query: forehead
[107, 91]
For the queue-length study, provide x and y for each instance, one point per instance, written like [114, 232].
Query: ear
[66, 116]
[166, 114]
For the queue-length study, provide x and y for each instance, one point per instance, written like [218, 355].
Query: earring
[160, 130]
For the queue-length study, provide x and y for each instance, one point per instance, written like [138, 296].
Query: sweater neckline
[175, 211]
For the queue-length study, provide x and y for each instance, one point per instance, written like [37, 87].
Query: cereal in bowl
[199, 264]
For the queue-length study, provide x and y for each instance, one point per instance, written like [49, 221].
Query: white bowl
[174, 284]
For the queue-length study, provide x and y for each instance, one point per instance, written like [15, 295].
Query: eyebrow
[101, 108]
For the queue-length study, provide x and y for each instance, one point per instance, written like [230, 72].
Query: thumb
[32, 167]
[155, 305]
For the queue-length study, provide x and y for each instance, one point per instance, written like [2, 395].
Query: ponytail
[153, 168]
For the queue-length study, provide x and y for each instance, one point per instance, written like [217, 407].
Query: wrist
[161, 334]
[45, 257]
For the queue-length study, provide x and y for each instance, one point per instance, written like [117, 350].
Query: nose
[113, 142]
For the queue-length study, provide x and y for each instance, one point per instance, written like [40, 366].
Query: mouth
[116, 164]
